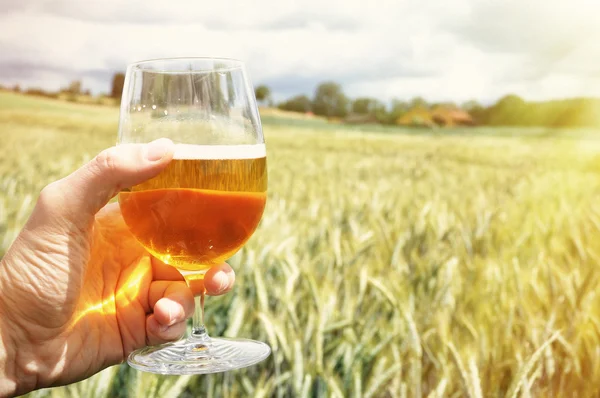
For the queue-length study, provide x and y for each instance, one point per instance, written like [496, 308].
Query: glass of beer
[209, 200]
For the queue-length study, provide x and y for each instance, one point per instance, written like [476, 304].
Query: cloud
[25, 70]
[547, 35]
[8, 6]
[230, 15]
[289, 84]
[306, 18]
[454, 49]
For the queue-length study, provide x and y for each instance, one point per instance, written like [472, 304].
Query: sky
[444, 50]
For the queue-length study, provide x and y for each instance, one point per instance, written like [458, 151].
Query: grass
[388, 263]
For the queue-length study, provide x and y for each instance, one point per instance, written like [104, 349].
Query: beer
[202, 208]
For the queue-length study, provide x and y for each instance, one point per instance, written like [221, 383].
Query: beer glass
[209, 200]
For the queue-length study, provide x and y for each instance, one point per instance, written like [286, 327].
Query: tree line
[330, 101]
[75, 90]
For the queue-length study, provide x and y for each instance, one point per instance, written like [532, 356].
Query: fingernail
[170, 310]
[174, 314]
[157, 149]
[223, 281]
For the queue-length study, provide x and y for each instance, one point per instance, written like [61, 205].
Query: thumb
[89, 188]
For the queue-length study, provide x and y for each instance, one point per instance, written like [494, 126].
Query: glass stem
[195, 281]
[198, 328]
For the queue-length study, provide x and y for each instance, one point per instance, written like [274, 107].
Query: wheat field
[388, 263]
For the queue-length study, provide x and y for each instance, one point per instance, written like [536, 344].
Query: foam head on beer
[203, 207]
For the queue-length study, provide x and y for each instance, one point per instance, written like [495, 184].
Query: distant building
[442, 116]
[449, 117]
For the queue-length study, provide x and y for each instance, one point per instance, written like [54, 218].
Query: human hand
[78, 293]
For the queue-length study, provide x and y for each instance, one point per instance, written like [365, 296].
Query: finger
[110, 220]
[196, 286]
[171, 302]
[164, 272]
[90, 187]
[219, 279]
[111, 211]
[159, 334]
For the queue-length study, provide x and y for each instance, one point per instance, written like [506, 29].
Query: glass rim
[230, 64]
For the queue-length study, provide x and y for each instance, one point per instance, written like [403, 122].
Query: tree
[72, 91]
[371, 107]
[40, 92]
[471, 105]
[330, 101]
[380, 112]
[509, 110]
[262, 93]
[361, 106]
[299, 103]
[510, 101]
[74, 87]
[397, 110]
[117, 85]
[366, 106]
[477, 111]
[418, 102]
[442, 105]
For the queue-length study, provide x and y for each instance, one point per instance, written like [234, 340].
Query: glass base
[199, 356]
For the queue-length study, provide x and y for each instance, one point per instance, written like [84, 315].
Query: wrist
[12, 380]
[8, 379]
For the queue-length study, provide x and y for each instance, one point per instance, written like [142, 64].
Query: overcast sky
[441, 50]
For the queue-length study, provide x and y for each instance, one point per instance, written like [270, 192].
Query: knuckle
[107, 160]
[49, 195]
[49, 190]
